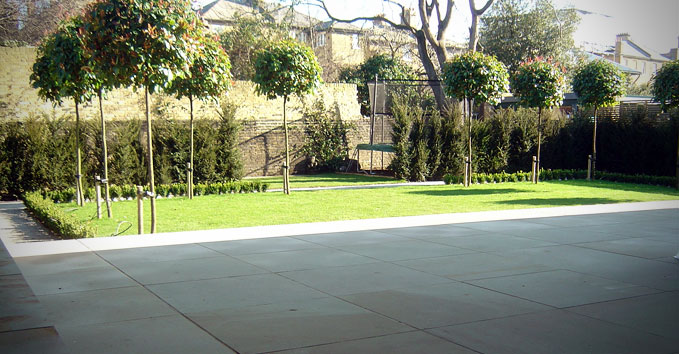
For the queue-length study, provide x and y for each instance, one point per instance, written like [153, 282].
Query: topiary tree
[60, 71]
[477, 77]
[597, 84]
[141, 43]
[209, 77]
[539, 83]
[283, 69]
[665, 90]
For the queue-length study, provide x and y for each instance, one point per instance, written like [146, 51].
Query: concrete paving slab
[350, 238]
[304, 259]
[156, 254]
[8, 267]
[262, 245]
[628, 269]
[562, 288]
[168, 334]
[475, 266]
[223, 293]
[102, 306]
[424, 232]
[405, 250]
[507, 226]
[78, 280]
[491, 242]
[443, 304]
[57, 263]
[19, 308]
[655, 313]
[576, 220]
[555, 331]
[569, 235]
[189, 269]
[43, 340]
[372, 277]
[638, 247]
[400, 343]
[296, 324]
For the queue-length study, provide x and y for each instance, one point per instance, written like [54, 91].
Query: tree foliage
[475, 76]
[62, 68]
[141, 42]
[666, 85]
[242, 40]
[598, 83]
[286, 68]
[516, 30]
[539, 83]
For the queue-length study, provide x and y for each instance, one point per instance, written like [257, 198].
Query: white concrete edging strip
[187, 237]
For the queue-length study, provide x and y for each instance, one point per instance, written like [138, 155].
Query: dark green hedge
[39, 152]
[56, 219]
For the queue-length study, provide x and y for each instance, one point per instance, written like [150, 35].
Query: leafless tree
[435, 19]
[28, 21]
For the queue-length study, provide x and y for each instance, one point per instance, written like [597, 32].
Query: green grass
[237, 210]
[327, 180]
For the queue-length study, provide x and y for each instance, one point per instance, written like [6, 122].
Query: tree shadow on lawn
[627, 187]
[561, 201]
[465, 192]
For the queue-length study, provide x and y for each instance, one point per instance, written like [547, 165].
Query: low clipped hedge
[561, 175]
[56, 219]
[162, 190]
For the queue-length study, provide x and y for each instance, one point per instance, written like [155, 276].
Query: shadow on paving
[20, 226]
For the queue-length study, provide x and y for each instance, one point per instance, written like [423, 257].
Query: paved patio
[597, 279]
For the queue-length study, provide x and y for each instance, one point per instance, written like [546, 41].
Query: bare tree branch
[474, 29]
[363, 18]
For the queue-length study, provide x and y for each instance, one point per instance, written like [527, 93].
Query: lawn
[326, 180]
[237, 210]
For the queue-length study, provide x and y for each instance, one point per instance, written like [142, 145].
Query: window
[643, 67]
[302, 37]
[292, 34]
[320, 40]
[354, 42]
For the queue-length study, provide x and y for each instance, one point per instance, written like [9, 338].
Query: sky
[653, 24]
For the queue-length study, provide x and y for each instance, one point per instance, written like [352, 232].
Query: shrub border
[55, 219]
[547, 175]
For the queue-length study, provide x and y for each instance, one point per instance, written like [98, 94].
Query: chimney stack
[622, 37]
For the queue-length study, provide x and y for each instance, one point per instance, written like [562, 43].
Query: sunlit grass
[238, 210]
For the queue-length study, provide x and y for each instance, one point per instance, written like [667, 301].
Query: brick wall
[261, 136]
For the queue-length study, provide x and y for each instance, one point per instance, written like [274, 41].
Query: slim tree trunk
[191, 152]
[678, 157]
[104, 154]
[80, 199]
[469, 117]
[537, 163]
[152, 185]
[594, 146]
[286, 170]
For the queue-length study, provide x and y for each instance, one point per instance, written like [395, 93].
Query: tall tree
[209, 77]
[430, 33]
[517, 30]
[142, 43]
[539, 83]
[598, 83]
[62, 70]
[477, 77]
[283, 69]
[665, 90]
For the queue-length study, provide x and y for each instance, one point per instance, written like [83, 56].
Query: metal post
[140, 210]
[589, 167]
[466, 172]
[97, 190]
[372, 123]
[533, 172]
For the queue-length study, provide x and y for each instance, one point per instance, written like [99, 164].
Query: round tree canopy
[209, 74]
[598, 83]
[475, 76]
[137, 42]
[284, 68]
[62, 68]
[666, 85]
[539, 83]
